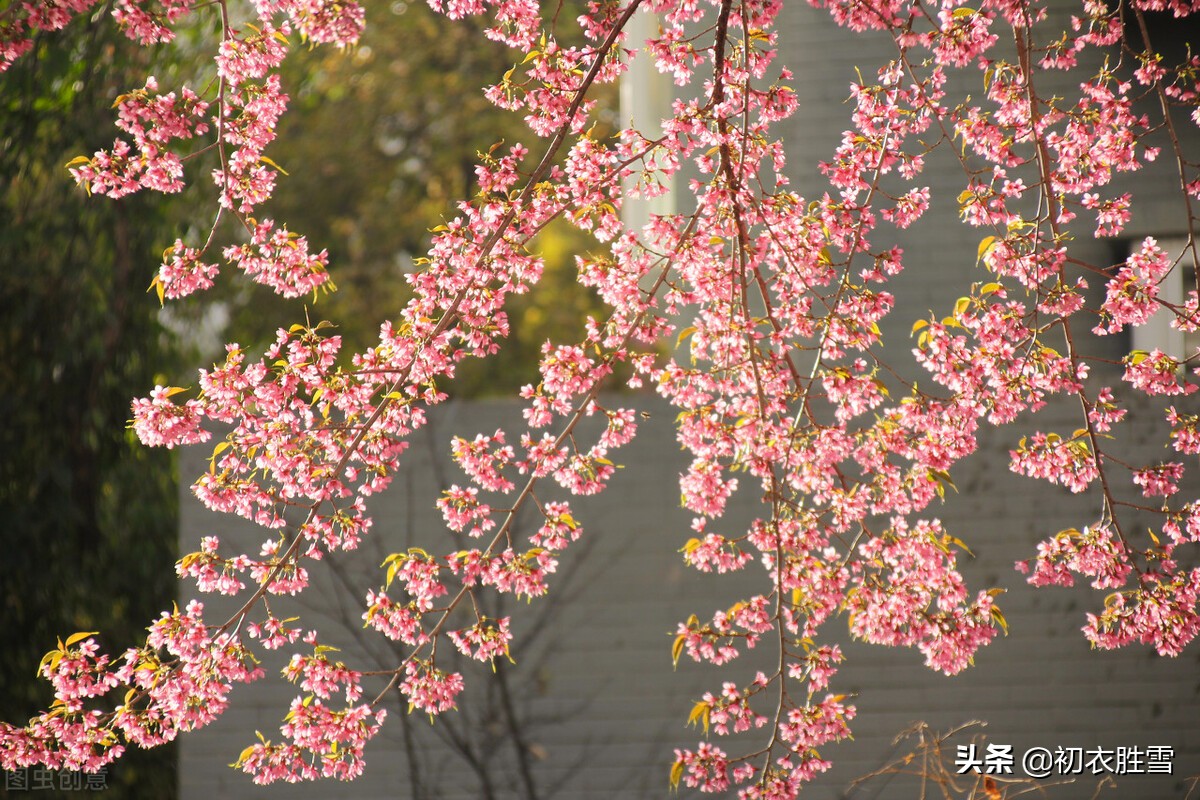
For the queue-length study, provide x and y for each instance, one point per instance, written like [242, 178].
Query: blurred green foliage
[89, 516]
[380, 143]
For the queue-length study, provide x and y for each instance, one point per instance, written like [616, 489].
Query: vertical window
[1158, 333]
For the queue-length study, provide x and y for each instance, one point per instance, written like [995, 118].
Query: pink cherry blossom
[758, 313]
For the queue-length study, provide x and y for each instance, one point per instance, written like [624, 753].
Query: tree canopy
[87, 538]
[773, 306]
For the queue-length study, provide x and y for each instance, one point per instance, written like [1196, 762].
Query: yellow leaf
[677, 648]
[79, 637]
[960, 544]
[700, 713]
[159, 288]
[271, 163]
[676, 774]
[52, 658]
[245, 754]
[220, 448]
[1000, 620]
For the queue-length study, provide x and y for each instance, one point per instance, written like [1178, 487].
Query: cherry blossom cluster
[323, 743]
[1007, 347]
[774, 303]
[20, 22]
[154, 121]
[178, 681]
